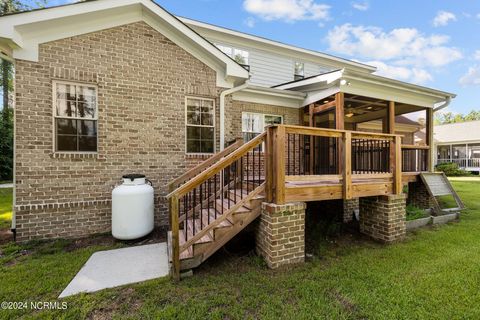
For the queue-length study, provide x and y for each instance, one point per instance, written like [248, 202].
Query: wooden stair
[216, 228]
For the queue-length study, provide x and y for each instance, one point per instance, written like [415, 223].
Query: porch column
[390, 118]
[340, 125]
[429, 131]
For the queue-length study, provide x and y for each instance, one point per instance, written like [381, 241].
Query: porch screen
[75, 117]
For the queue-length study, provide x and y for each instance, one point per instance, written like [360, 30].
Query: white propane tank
[132, 208]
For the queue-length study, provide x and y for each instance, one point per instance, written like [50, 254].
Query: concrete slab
[6, 185]
[112, 268]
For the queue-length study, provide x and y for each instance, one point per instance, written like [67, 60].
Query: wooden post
[175, 238]
[347, 165]
[268, 154]
[340, 125]
[391, 117]
[279, 167]
[312, 139]
[339, 111]
[396, 164]
[429, 131]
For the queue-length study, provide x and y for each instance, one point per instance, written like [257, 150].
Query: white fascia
[26, 31]
[270, 96]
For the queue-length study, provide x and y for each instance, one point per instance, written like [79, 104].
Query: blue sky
[432, 43]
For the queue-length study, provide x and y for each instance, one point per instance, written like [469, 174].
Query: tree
[450, 117]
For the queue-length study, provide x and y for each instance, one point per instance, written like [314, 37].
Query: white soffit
[275, 97]
[27, 30]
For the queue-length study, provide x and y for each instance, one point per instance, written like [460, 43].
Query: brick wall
[142, 79]
[280, 236]
[349, 207]
[383, 217]
[234, 109]
[419, 196]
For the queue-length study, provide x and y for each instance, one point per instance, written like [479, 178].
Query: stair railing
[215, 192]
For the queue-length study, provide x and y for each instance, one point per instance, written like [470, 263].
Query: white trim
[24, 32]
[270, 96]
[200, 126]
[54, 113]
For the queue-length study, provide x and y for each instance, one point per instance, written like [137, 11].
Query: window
[240, 56]
[200, 123]
[254, 124]
[75, 117]
[299, 72]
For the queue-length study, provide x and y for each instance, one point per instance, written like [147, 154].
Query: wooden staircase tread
[206, 238]
[223, 224]
[227, 206]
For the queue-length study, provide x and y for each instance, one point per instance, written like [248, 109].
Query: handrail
[205, 164]
[214, 169]
[336, 132]
[414, 147]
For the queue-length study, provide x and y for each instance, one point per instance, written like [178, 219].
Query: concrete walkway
[6, 185]
[113, 268]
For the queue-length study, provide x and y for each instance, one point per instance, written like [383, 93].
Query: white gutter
[444, 105]
[222, 110]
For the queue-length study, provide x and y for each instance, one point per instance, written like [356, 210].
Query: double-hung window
[75, 117]
[200, 125]
[254, 124]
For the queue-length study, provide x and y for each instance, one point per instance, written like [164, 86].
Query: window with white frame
[254, 124]
[75, 117]
[200, 125]
[240, 56]
[299, 71]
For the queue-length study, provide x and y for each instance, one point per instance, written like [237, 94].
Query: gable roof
[457, 132]
[21, 33]
[219, 33]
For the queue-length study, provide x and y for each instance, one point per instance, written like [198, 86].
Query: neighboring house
[109, 87]
[458, 143]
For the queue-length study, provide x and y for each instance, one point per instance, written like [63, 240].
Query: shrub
[414, 213]
[451, 169]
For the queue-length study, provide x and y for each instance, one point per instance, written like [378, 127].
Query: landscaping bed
[347, 278]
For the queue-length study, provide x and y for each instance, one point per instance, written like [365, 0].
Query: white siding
[312, 69]
[269, 69]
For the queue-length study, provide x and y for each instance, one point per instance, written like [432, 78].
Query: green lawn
[434, 274]
[5, 207]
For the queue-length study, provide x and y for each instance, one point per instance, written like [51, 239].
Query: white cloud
[287, 10]
[362, 6]
[414, 75]
[478, 16]
[402, 46]
[476, 55]
[249, 22]
[472, 77]
[443, 18]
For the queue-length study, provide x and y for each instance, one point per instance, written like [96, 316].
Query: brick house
[104, 88]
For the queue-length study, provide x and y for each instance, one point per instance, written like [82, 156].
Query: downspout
[222, 110]
[433, 151]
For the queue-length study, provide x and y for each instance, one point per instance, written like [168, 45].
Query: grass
[432, 275]
[414, 213]
[6, 197]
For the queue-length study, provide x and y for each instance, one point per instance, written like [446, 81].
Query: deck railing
[415, 158]
[295, 153]
[463, 162]
[207, 199]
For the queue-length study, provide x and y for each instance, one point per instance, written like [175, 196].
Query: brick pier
[280, 236]
[383, 217]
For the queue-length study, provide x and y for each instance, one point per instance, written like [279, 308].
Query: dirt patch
[346, 304]
[5, 236]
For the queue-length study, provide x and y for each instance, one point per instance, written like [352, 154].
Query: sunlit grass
[434, 274]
